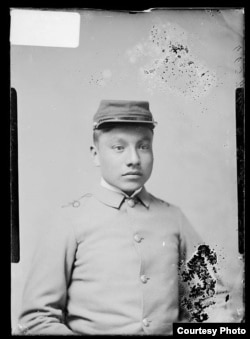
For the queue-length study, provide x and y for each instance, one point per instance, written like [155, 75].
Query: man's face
[125, 156]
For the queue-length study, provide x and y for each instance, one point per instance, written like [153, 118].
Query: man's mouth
[133, 173]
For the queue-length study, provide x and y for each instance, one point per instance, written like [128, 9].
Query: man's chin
[129, 189]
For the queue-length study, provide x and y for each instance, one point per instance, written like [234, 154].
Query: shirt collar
[114, 197]
[105, 184]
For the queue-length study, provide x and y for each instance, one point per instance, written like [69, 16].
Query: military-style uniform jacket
[108, 265]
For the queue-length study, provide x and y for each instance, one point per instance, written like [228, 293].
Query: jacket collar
[116, 199]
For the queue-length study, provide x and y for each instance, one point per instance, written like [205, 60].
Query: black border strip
[240, 143]
[14, 205]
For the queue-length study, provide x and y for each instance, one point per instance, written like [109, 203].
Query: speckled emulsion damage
[101, 79]
[198, 284]
[168, 63]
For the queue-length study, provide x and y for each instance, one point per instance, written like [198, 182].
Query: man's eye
[144, 147]
[118, 148]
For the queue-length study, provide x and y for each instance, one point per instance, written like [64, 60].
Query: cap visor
[122, 121]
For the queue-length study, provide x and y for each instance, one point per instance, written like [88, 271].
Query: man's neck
[105, 184]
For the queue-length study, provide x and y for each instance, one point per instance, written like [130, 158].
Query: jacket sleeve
[45, 291]
[203, 294]
[189, 238]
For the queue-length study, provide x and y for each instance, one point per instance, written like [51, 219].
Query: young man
[109, 263]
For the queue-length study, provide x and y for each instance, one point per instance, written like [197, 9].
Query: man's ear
[95, 155]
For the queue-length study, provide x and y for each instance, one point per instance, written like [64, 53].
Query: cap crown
[123, 111]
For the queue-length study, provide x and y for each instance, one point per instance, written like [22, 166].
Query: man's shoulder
[163, 203]
[70, 213]
[79, 202]
[164, 206]
[82, 206]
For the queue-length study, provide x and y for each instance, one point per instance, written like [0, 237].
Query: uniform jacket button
[76, 203]
[137, 238]
[131, 202]
[145, 322]
[144, 279]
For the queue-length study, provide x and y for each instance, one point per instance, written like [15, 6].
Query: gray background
[191, 90]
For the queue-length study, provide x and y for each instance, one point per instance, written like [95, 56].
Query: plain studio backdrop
[187, 64]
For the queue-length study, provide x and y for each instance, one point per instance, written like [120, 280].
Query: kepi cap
[123, 111]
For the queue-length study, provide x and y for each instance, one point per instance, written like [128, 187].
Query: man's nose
[133, 158]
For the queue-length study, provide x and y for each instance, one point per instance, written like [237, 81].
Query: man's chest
[123, 241]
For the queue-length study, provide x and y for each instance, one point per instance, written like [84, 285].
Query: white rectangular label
[44, 28]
